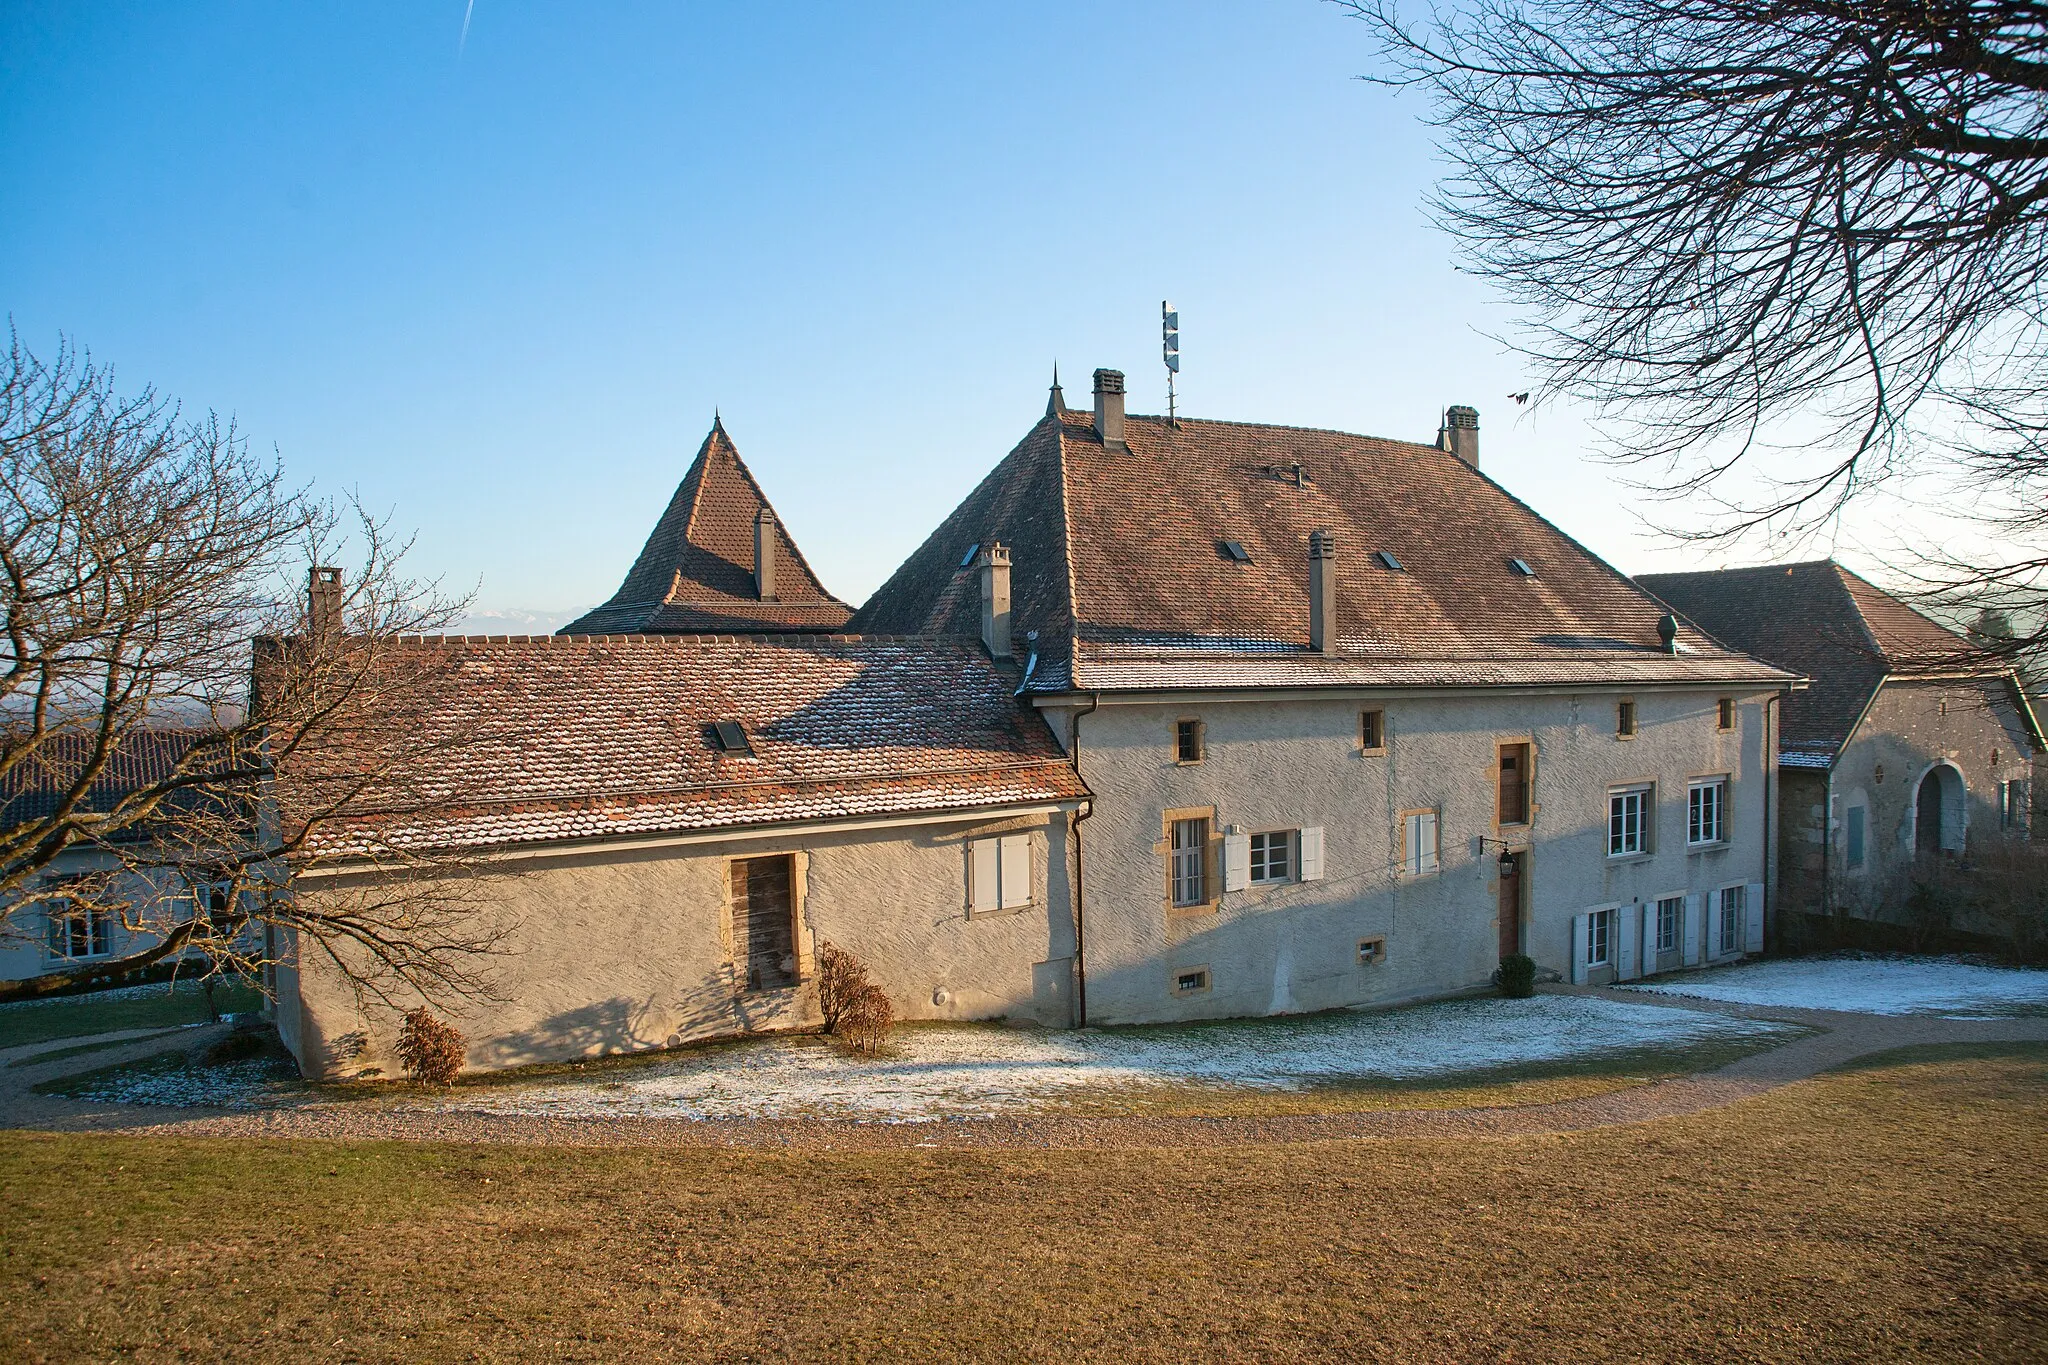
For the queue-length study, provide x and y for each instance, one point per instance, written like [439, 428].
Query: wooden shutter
[1312, 854]
[1425, 841]
[1578, 958]
[984, 891]
[1753, 912]
[1649, 938]
[1689, 935]
[1623, 951]
[1237, 859]
[1016, 870]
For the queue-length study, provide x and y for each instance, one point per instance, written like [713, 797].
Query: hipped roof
[1119, 567]
[696, 571]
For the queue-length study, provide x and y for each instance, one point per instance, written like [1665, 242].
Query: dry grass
[1892, 1212]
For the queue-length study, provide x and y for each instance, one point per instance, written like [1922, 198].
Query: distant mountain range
[514, 621]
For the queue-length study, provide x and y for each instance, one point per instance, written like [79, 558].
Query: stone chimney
[323, 602]
[764, 555]
[1322, 592]
[1109, 407]
[994, 562]
[1460, 434]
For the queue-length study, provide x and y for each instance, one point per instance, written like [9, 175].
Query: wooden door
[763, 922]
[1511, 906]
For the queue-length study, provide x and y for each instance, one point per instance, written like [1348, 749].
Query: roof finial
[1055, 402]
[717, 422]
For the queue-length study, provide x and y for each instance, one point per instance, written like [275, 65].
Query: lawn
[157, 1006]
[1897, 1211]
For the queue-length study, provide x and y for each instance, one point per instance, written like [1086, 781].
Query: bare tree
[1783, 248]
[183, 730]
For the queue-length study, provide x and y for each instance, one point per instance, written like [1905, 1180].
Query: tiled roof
[1819, 619]
[1120, 569]
[696, 573]
[35, 789]
[597, 736]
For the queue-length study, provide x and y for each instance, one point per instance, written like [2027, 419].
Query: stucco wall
[631, 948]
[1297, 763]
[1911, 727]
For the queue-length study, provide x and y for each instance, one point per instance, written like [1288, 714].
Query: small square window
[1372, 951]
[1191, 982]
[1372, 731]
[1234, 551]
[1727, 718]
[1187, 741]
[1624, 719]
[1273, 857]
[1521, 566]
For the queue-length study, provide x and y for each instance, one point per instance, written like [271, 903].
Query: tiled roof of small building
[1817, 618]
[695, 575]
[597, 736]
[35, 788]
[1120, 566]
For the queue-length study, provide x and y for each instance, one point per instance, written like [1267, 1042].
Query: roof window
[1234, 550]
[972, 551]
[1521, 566]
[1387, 560]
[731, 736]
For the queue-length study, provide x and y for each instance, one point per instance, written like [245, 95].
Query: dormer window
[972, 551]
[1521, 567]
[1387, 560]
[731, 737]
[1234, 551]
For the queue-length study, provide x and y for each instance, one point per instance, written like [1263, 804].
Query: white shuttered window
[999, 873]
[1418, 843]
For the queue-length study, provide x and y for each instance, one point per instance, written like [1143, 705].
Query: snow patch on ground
[965, 1071]
[260, 1083]
[1864, 984]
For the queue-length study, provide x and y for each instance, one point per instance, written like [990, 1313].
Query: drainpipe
[1771, 782]
[1080, 897]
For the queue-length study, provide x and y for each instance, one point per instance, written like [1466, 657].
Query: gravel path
[1839, 1038]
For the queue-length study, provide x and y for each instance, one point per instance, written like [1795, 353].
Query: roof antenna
[1169, 347]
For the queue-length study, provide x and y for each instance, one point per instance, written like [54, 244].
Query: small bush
[865, 1020]
[237, 1047]
[431, 1051]
[841, 977]
[1517, 976]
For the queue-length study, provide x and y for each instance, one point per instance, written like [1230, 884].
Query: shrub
[841, 977]
[431, 1051]
[865, 1020]
[1517, 976]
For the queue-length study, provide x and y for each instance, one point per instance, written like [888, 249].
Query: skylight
[972, 551]
[731, 737]
[1386, 558]
[1234, 549]
[1521, 566]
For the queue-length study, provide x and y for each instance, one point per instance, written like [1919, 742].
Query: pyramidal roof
[696, 573]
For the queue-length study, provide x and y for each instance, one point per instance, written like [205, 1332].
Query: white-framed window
[1273, 857]
[999, 873]
[1670, 915]
[1857, 822]
[1189, 870]
[1706, 811]
[1628, 821]
[75, 931]
[1728, 922]
[1418, 843]
[1599, 938]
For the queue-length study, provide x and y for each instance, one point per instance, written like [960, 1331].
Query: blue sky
[498, 287]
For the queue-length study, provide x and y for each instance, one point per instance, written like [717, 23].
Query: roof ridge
[1870, 640]
[771, 637]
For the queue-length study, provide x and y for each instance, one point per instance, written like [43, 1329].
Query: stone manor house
[1167, 720]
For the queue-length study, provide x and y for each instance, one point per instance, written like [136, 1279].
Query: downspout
[1771, 783]
[1080, 895]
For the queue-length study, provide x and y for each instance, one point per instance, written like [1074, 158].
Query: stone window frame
[1212, 859]
[1183, 727]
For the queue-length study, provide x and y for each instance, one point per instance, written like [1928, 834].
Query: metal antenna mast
[1169, 347]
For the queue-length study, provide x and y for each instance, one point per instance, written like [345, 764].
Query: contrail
[467, 10]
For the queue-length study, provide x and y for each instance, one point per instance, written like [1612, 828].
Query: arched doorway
[1938, 811]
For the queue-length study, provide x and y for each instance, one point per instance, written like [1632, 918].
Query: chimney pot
[994, 561]
[764, 555]
[1109, 406]
[323, 601]
[1322, 592]
[1460, 434]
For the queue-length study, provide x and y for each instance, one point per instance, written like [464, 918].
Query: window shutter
[1649, 939]
[1625, 959]
[983, 893]
[1689, 933]
[1237, 859]
[1016, 873]
[1578, 958]
[1312, 854]
[1425, 829]
[1753, 910]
